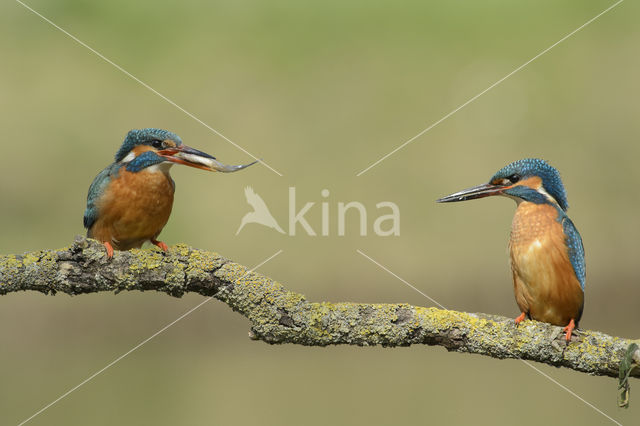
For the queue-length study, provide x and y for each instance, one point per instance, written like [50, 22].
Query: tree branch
[278, 315]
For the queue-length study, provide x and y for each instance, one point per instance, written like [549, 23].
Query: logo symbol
[260, 213]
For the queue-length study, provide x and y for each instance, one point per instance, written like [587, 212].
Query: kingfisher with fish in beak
[130, 201]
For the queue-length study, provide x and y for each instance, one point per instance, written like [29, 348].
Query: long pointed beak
[188, 156]
[480, 191]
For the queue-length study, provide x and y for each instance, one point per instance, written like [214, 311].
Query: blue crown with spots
[536, 167]
[144, 137]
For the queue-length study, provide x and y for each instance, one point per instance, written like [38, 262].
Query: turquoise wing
[97, 188]
[576, 250]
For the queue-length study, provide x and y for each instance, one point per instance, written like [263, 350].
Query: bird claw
[520, 318]
[109, 248]
[569, 329]
[160, 244]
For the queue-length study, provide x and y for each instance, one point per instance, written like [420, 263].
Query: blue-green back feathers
[97, 188]
[575, 249]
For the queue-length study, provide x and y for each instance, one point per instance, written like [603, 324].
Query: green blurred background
[320, 90]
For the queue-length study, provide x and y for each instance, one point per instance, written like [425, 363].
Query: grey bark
[278, 315]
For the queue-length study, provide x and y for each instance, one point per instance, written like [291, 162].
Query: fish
[212, 164]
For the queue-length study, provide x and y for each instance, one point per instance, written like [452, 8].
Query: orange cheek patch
[140, 149]
[533, 182]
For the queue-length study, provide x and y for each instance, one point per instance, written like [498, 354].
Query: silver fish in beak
[210, 163]
[188, 156]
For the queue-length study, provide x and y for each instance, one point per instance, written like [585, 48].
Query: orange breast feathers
[545, 284]
[134, 208]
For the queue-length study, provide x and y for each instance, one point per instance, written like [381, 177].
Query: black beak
[480, 191]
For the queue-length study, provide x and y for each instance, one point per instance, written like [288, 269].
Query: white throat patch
[160, 167]
[546, 194]
[130, 156]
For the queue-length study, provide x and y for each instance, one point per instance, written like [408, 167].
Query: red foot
[520, 318]
[160, 244]
[109, 248]
[569, 329]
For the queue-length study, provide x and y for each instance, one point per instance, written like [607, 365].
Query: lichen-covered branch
[278, 315]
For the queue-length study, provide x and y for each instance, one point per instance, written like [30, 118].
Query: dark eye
[514, 178]
[157, 144]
